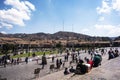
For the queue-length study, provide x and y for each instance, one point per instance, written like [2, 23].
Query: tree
[5, 49]
[59, 45]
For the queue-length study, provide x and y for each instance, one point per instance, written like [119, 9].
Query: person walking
[26, 60]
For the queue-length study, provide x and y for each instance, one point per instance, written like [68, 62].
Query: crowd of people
[113, 53]
[6, 60]
[84, 66]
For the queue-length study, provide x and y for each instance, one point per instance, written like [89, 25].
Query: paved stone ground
[60, 76]
[25, 71]
[109, 70]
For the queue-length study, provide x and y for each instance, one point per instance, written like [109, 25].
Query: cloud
[116, 5]
[106, 8]
[101, 18]
[85, 30]
[19, 12]
[3, 32]
[31, 6]
[0, 26]
[104, 27]
[108, 30]
[102, 30]
[8, 26]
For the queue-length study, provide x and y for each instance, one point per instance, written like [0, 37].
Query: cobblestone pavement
[60, 76]
[109, 70]
[25, 71]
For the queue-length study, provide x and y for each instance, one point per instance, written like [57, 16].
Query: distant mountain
[113, 38]
[69, 35]
[2, 35]
[61, 35]
[117, 38]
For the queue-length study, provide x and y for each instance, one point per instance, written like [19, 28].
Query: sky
[90, 17]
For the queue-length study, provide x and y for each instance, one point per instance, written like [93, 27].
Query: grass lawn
[30, 54]
[1, 54]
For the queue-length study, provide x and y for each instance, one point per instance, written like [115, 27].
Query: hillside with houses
[67, 39]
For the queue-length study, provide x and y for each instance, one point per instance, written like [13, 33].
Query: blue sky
[91, 17]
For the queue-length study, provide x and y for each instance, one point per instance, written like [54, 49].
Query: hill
[56, 36]
[117, 38]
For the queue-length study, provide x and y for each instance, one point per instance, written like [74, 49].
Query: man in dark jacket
[44, 61]
[81, 68]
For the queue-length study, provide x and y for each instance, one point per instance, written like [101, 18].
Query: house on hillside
[116, 43]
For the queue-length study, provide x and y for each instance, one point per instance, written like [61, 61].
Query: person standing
[5, 61]
[53, 58]
[44, 61]
[111, 54]
[26, 60]
[18, 60]
[60, 62]
[57, 63]
[116, 53]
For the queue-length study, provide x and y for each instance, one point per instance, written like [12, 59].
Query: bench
[36, 72]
